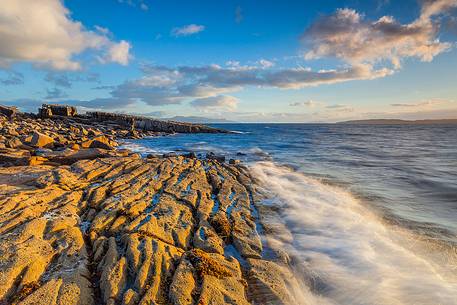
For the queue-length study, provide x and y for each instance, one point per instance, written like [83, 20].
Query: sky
[239, 60]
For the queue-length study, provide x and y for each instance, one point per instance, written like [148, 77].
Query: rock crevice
[113, 228]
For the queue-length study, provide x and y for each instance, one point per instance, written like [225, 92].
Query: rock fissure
[85, 223]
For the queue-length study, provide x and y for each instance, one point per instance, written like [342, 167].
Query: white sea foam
[355, 257]
[138, 148]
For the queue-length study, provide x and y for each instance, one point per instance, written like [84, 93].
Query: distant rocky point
[400, 122]
[55, 111]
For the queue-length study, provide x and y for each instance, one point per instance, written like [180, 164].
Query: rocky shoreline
[82, 222]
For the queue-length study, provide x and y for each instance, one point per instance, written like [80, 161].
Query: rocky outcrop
[82, 222]
[26, 140]
[148, 124]
[8, 111]
[41, 140]
[49, 110]
[126, 230]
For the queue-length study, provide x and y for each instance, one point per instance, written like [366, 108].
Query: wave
[141, 149]
[239, 132]
[348, 250]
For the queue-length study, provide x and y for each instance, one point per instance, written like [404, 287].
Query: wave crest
[345, 251]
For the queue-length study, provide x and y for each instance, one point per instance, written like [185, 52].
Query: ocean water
[372, 209]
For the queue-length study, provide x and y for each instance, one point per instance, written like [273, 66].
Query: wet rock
[169, 155]
[271, 283]
[152, 156]
[190, 155]
[234, 161]
[100, 144]
[213, 156]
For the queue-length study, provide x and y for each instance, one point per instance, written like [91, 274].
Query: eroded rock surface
[127, 230]
[82, 222]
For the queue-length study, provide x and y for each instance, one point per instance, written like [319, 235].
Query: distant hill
[196, 120]
[400, 122]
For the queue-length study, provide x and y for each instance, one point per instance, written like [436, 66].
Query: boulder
[14, 157]
[47, 110]
[190, 155]
[213, 156]
[82, 154]
[13, 142]
[98, 142]
[41, 140]
[12, 132]
[37, 160]
[74, 146]
[43, 152]
[93, 132]
[74, 130]
[152, 156]
[170, 155]
[8, 111]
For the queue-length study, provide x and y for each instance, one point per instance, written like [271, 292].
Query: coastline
[85, 223]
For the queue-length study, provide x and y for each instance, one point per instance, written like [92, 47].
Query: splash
[135, 147]
[351, 256]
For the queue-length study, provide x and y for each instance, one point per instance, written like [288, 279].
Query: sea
[372, 208]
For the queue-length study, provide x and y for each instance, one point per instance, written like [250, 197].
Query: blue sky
[250, 61]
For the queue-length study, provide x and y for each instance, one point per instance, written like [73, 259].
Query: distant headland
[400, 122]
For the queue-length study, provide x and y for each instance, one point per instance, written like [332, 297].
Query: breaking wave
[141, 149]
[352, 255]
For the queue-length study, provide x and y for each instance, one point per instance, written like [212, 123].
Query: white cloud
[348, 36]
[420, 105]
[120, 53]
[289, 78]
[336, 106]
[197, 90]
[43, 33]
[163, 85]
[266, 63]
[187, 30]
[435, 7]
[220, 102]
[102, 30]
[309, 103]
